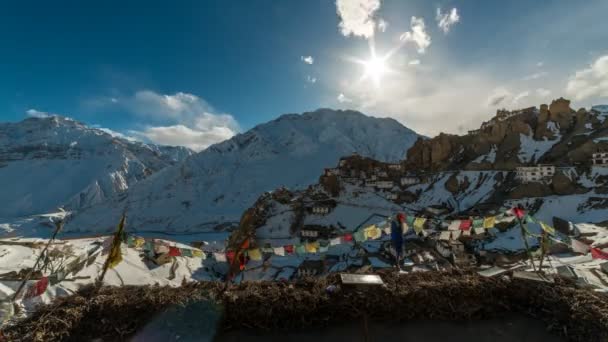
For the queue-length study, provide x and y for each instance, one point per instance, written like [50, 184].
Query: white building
[409, 180]
[384, 184]
[536, 173]
[600, 159]
[332, 172]
[371, 183]
[391, 196]
[320, 210]
[396, 167]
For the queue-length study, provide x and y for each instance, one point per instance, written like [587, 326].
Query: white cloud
[520, 96]
[590, 82]
[542, 92]
[34, 113]
[307, 59]
[446, 20]
[535, 76]
[497, 97]
[414, 62]
[343, 99]
[417, 35]
[180, 135]
[311, 79]
[382, 25]
[180, 119]
[357, 17]
[540, 64]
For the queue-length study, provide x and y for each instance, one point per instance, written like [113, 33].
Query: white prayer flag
[444, 235]
[479, 231]
[466, 232]
[454, 225]
[219, 257]
[456, 234]
[279, 251]
[335, 241]
[579, 247]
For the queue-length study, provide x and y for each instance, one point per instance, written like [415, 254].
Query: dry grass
[118, 313]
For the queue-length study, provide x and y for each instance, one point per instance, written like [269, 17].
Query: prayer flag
[255, 254]
[456, 234]
[410, 220]
[479, 231]
[419, 224]
[335, 241]
[454, 225]
[288, 249]
[38, 288]
[174, 251]
[198, 253]
[519, 212]
[219, 257]
[279, 251]
[160, 248]
[530, 219]
[186, 252]
[466, 232]
[387, 230]
[323, 249]
[130, 241]
[115, 256]
[444, 235]
[139, 242]
[359, 236]
[230, 256]
[597, 253]
[547, 228]
[348, 237]
[372, 232]
[579, 247]
[311, 247]
[300, 250]
[478, 223]
[465, 225]
[489, 222]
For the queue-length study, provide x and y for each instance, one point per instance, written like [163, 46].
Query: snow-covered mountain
[215, 186]
[56, 161]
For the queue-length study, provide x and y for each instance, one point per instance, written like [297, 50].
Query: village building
[314, 232]
[373, 177]
[600, 159]
[536, 173]
[474, 131]
[391, 196]
[409, 180]
[371, 183]
[393, 166]
[384, 184]
[320, 209]
[382, 174]
[309, 268]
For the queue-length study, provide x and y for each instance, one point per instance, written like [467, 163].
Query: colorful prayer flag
[186, 252]
[198, 253]
[419, 224]
[130, 241]
[597, 253]
[444, 235]
[335, 241]
[279, 251]
[312, 247]
[300, 249]
[288, 249]
[465, 225]
[38, 288]
[456, 234]
[174, 251]
[230, 256]
[454, 225]
[348, 237]
[489, 222]
[372, 232]
[219, 257]
[579, 247]
[410, 220]
[479, 231]
[478, 223]
[255, 254]
[323, 249]
[550, 230]
[519, 212]
[359, 236]
[139, 242]
[530, 219]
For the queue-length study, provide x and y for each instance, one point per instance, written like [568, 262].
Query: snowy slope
[218, 184]
[56, 161]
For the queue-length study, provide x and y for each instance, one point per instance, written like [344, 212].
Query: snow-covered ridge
[216, 185]
[56, 161]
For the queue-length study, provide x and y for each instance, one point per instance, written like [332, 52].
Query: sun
[375, 68]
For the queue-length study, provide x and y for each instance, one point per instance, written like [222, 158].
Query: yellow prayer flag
[115, 256]
[197, 253]
[255, 254]
[489, 222]
[418, 224]
[311, 247]
[139, 242]
[547, 228]
[372, 232]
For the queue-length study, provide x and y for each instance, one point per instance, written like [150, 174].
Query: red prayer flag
[348, 237]
[597, 253]
[38, 288]
[245, 244]
[288, 249]
[519, 212]
[465, 224]
[174, 251]
[230, 256]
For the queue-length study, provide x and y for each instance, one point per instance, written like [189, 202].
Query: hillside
[215, 186]
[55, 161]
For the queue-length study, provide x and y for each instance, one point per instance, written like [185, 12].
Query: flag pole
[524, 237]
[115, 244]
[58, 226]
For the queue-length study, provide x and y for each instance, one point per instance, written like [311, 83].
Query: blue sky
[196, 72]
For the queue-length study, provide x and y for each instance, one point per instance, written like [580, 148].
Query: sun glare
[375, 68]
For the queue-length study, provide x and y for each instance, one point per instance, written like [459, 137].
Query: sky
[194, 73]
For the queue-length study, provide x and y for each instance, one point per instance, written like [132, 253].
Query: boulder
[562, 184]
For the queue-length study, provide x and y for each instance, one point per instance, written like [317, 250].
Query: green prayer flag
[410, 220]
[186, 252]
[300, 250]
[359, 236]
[530, 219]
[478, 223]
